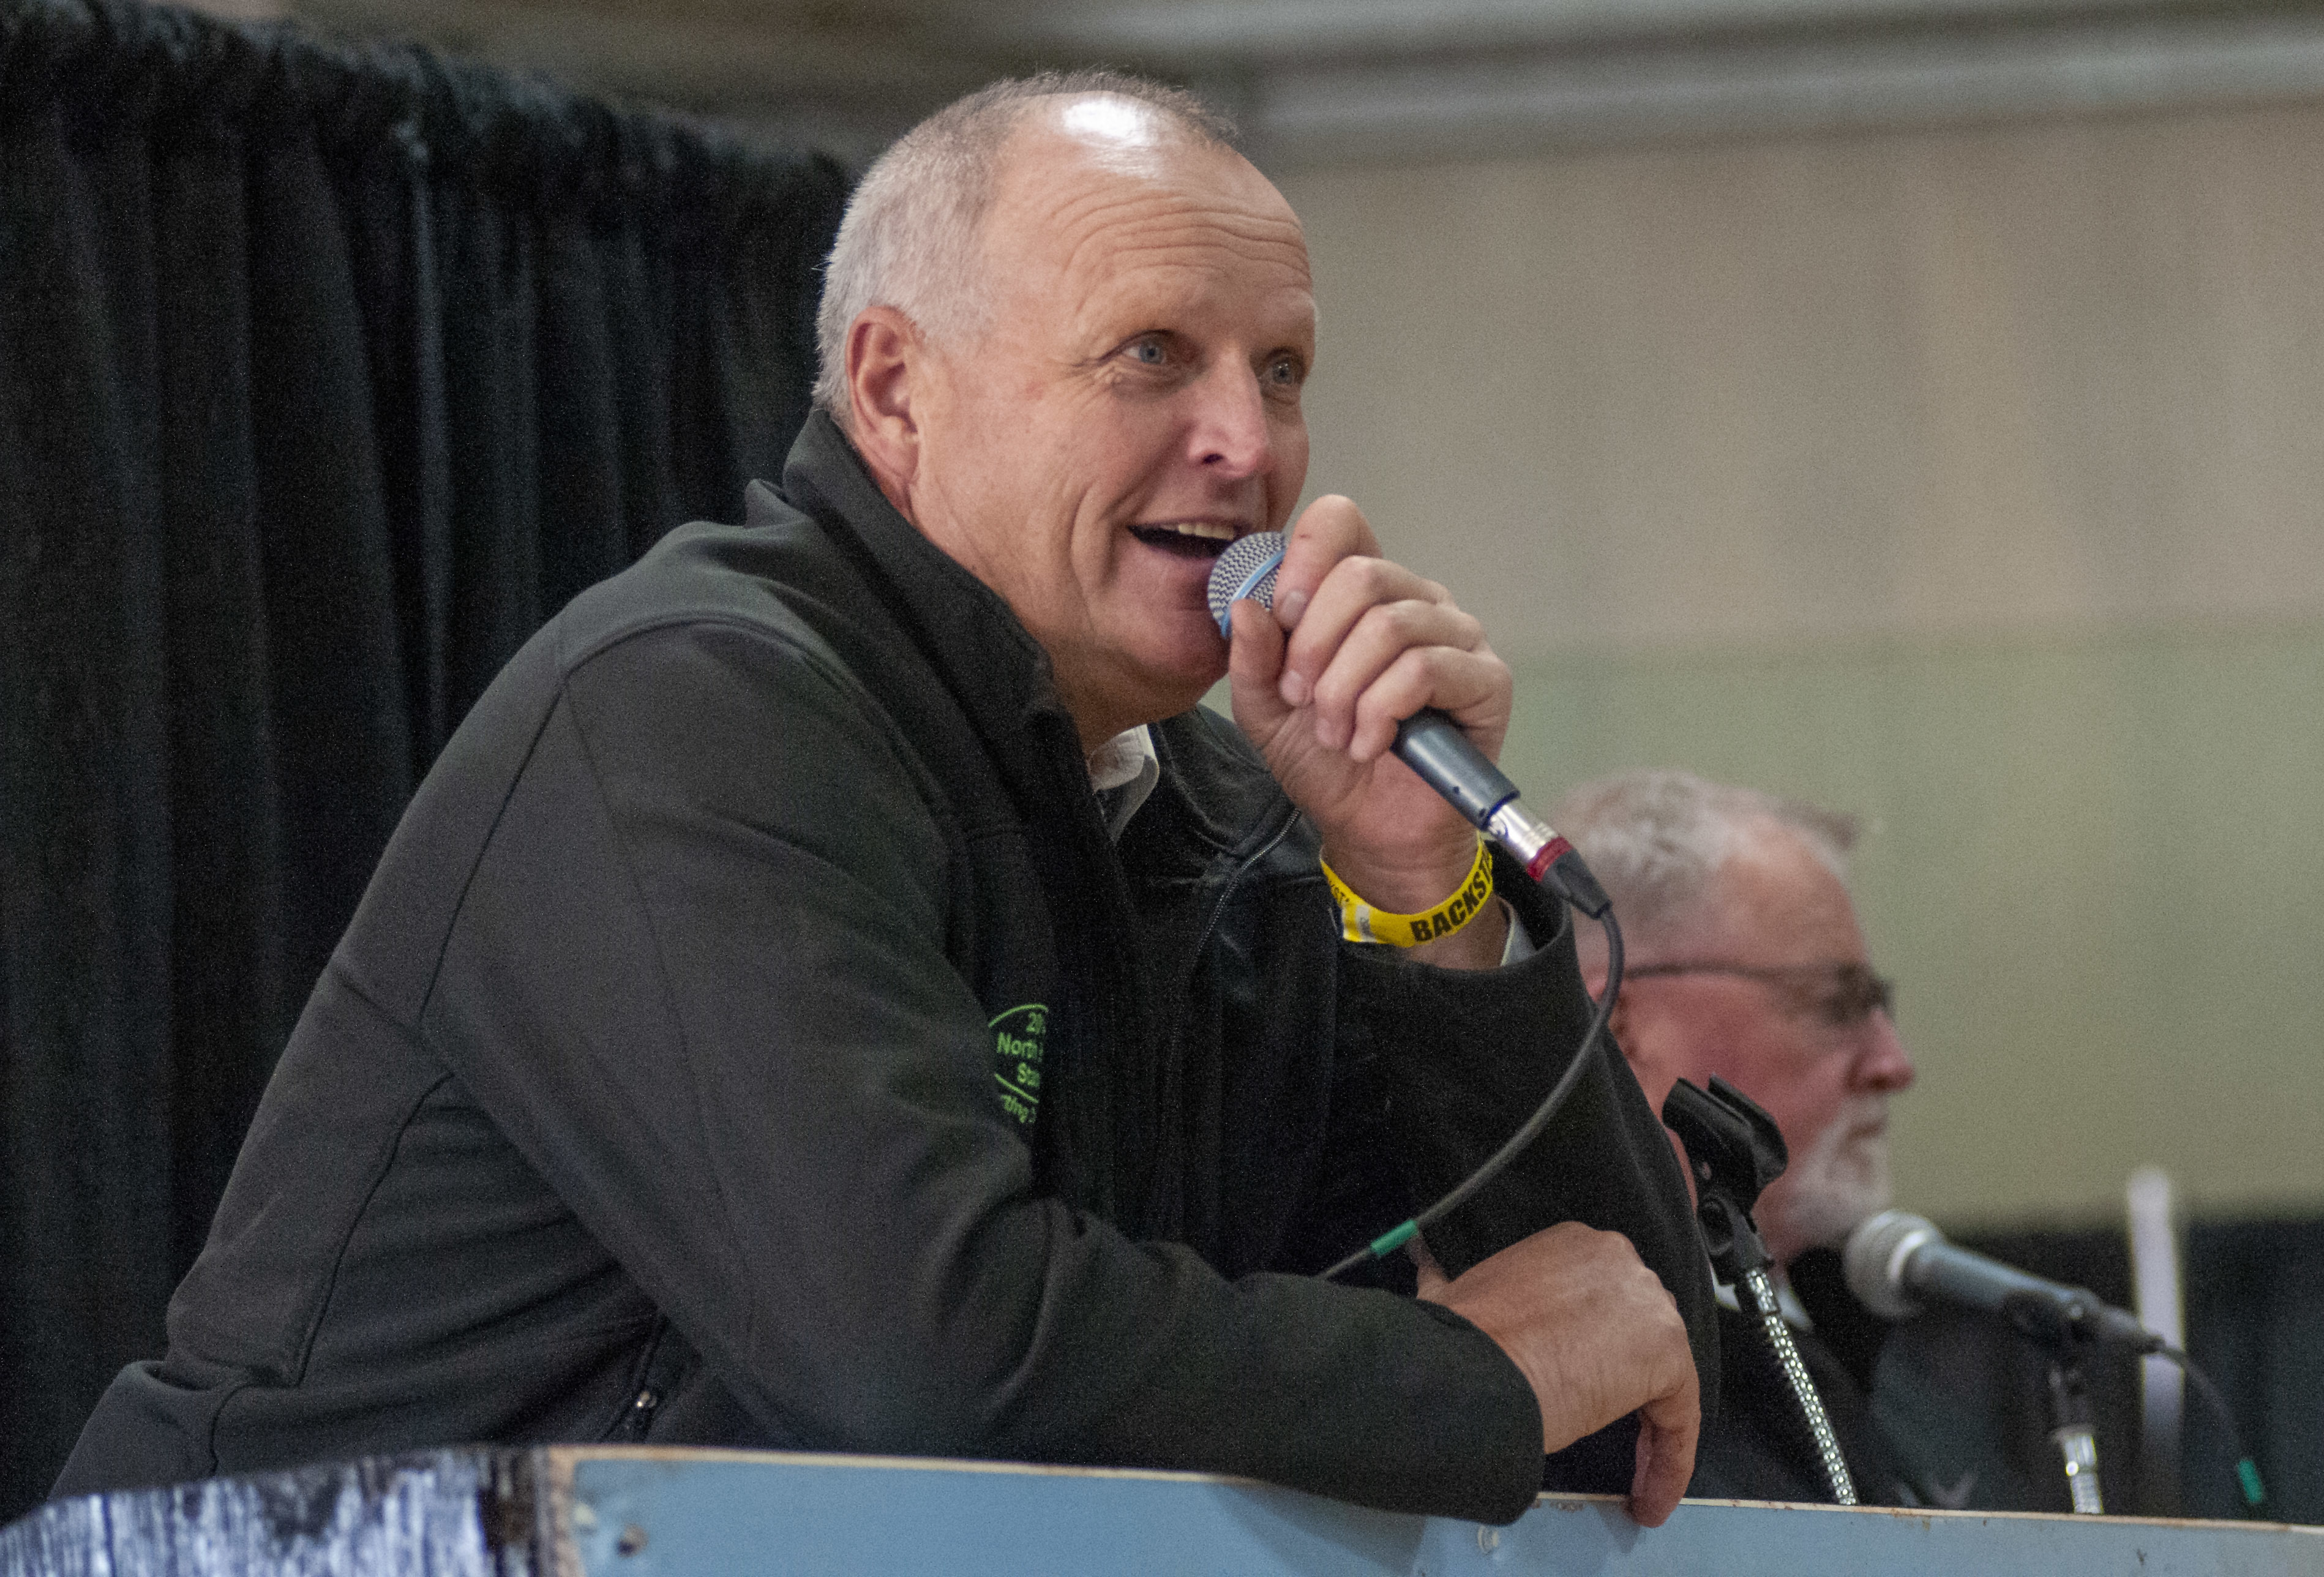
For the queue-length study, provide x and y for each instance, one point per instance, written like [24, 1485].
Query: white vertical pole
[2160, 1304]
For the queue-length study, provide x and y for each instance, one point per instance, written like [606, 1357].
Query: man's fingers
[1433, 1279]
[1382, 637]
[1669, 1429]
[1473, 687]
[1327, 530]
[1358, 588]
[1596, 1336]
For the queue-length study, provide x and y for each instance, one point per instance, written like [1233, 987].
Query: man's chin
[1831, 1195]
[1183, 657]
[1166, 687]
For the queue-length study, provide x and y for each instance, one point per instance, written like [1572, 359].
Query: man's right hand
[1597, 1336]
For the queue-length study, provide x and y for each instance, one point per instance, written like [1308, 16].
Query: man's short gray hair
[1655, 839]
[909, 238]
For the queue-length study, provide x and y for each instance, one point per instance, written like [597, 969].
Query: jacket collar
[1000, 675]
[1111, 1145]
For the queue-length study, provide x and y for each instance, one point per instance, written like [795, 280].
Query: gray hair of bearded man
[1655, 839]
[910, 236]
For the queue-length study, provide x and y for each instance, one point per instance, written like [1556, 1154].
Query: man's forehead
[1091, 201]
[1774, 894]
[1112, 127]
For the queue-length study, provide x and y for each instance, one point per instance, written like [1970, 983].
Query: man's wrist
[1407, 883]
[1361, 920]
[1478, 945]
[1471, 924]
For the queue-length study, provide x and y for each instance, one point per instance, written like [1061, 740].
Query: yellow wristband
[1359, 922]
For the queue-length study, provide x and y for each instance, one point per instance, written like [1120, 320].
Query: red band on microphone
[1546, 856]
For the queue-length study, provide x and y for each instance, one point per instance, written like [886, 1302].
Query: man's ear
[887, 360]
[1647, 1051]
[1624, 1026]
[1655, 1081]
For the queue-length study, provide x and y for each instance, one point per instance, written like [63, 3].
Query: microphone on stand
[1897, 1262]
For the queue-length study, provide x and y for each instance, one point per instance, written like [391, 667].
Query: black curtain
[325, 374]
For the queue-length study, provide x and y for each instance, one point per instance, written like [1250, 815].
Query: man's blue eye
[1149, 352]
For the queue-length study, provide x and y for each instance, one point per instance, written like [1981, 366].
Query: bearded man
[838, 992]
[1748, 963]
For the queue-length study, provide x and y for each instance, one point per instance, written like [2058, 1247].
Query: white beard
[1843, 1179]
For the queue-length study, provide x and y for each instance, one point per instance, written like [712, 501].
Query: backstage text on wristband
[1360, 922]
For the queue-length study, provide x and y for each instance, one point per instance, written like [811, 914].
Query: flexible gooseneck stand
[1735, 1150]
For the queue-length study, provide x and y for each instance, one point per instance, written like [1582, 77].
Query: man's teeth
[1206, 530]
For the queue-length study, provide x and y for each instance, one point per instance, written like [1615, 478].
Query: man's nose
[1232, 437]
[1884, 1064]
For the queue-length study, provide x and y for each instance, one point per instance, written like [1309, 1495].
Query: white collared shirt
[1126, 768]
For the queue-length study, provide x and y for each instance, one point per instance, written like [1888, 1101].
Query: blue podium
[579, 1512]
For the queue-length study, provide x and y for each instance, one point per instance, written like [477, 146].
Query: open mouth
[1187, 539]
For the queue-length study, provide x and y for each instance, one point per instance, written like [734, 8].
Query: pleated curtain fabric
[326, 375]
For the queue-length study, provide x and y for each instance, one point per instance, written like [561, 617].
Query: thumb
[1433, 1279]
[1668, 1430]
[1255, 670]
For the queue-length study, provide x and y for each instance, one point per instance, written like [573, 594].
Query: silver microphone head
[1246, 570]
[1876, 1258]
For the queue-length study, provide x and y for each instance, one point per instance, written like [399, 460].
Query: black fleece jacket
[750, 1037]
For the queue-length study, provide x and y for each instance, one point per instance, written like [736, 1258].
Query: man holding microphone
[836, 991]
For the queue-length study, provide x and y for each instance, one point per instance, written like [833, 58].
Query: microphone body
[1432, 744]
[1897, 1263]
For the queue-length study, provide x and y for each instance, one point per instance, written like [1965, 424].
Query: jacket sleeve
[700, 979]
[1461, 1058]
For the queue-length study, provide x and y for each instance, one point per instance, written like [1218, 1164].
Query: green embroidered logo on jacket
[1018, 1037]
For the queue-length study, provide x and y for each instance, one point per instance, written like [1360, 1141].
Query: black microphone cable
[2247, 1477]
[1397, 1236]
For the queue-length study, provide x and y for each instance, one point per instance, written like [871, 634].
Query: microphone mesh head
[1246, 570]
[1874, 1261]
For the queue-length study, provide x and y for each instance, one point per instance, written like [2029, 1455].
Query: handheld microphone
[1432, 744]
[1897, 1261]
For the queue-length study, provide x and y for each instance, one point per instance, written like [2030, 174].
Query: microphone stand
[1735, 1150]
[2070, 1341]
[2075, 1428]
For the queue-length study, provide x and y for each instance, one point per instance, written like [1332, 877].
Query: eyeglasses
[1843, 995]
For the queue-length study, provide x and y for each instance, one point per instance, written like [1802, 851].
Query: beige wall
[1968, 478]
[1935, 382]
[2095, 869]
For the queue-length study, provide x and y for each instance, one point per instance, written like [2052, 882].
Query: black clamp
[1735, 1151]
